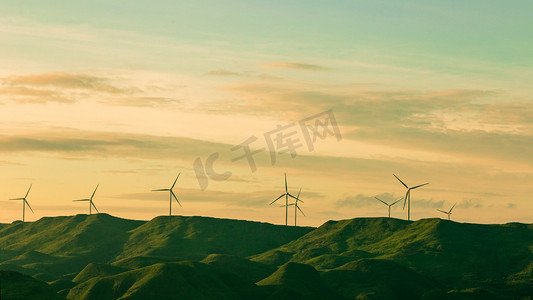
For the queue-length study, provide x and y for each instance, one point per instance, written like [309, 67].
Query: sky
[127, 94]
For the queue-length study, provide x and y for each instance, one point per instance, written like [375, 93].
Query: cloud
[9, 163]
[79, 143]
[223, 73]
[510, 205]
[471, 203]
[467, 124]
[139, 101]
[64, 80]
[243, 199]
[24, 94]
[63, 88]
[361, 200]
[295, 66]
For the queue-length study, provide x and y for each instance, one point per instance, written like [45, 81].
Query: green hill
[377, 279]
[16, 286]
[454, 255]
[104, 257]
[299, 281]
[52, 247]
[244, 269]
[197, 237]
[181, 280]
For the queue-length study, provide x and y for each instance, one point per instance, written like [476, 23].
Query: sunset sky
[127, 94]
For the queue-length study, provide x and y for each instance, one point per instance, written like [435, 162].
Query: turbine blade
[28, 205]
[161, 190]
[81, 200]
[401, 181]
[292, 196]
[286, 183]
[405, 200]
[276, 199]
[28, 191]
[94, 207]
[175, 197]
[175, 180]
[298, 197]
[396, 202]
[419, 185]
[452, 208]
[442, 211]
[381, 201]
[291, 204]
[300, 210]
[95, 191]
[17, 199]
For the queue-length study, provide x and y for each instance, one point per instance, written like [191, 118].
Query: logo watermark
[282, 139]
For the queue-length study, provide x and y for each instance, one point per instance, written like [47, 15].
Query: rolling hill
[104, 257]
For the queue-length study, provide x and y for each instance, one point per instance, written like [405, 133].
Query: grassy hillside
[181, 280]
[52, 247]
[103, 257]
[297, 281]
[454, 255]
[197, 237]
[16, 286]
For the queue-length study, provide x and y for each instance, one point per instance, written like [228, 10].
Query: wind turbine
[389, 205]
[408, 196]
[24, 203]
[287, 195]
[171, 193]
[90, 200]
[296, 206]
[449, 213]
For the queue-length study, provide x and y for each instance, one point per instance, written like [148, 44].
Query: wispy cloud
[295, 66]
[59, 87]
[223, 73]
[89, 143]
[65, 80]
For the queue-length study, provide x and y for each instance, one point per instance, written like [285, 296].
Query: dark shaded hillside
[297, 281]
[16, 286]
[377, 279]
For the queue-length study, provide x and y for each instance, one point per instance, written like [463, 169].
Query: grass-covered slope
[103, 257]
[244, 269]
[16, 286]
[377, 279]
[197, 237]
[52, 247]
[300, 281]
[454, 254]
[180, 280]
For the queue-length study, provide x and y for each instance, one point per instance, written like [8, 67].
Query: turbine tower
[389, 205]
[24, 203]
[171, 194]
[296, 206]
[287, 195]
[449, 213]
[90, 200]
[408, 196]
